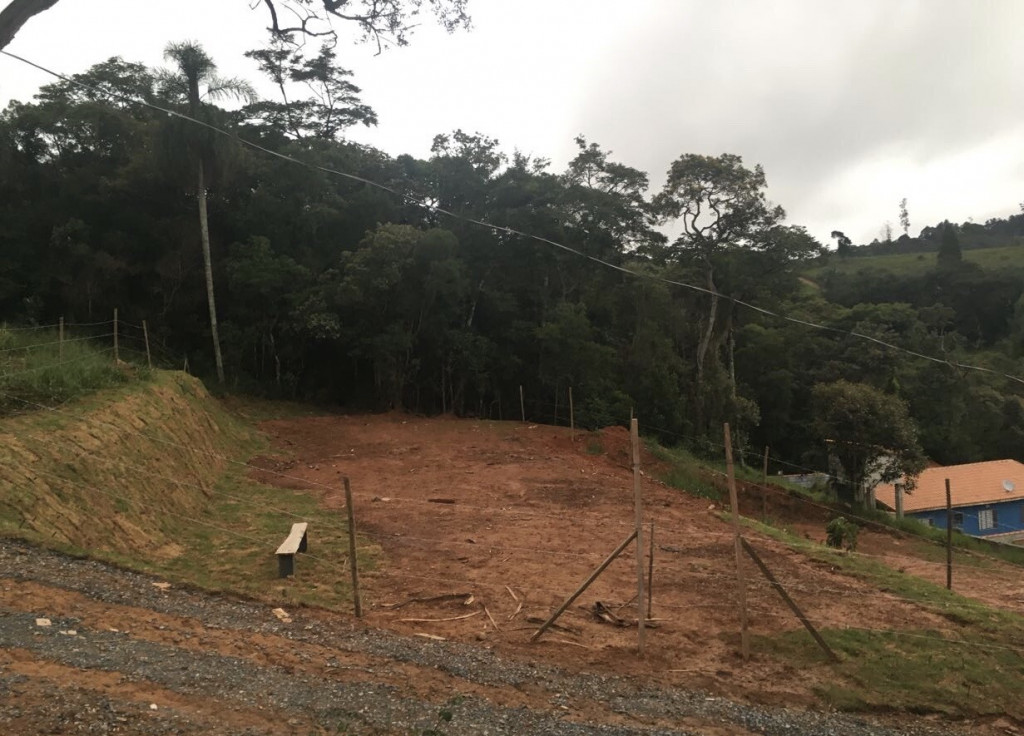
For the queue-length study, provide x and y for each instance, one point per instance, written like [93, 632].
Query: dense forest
[476, 271]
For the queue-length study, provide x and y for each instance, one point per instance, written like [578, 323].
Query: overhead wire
[514, 232]
[411, 200]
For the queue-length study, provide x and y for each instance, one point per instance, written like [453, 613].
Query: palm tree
[195, 79]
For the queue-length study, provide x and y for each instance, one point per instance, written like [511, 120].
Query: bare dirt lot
[481, 529]
[518, 515]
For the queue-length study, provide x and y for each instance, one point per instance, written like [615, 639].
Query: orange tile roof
[974, 483]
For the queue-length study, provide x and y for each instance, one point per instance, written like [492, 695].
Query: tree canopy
[384, 22]
[424, 297]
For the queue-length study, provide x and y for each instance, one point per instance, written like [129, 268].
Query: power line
[409, 199]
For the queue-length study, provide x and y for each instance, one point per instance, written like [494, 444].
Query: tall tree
[904, 217]
[332, 103]
[381, 21]
[194, 79]
[949, 256]
[719, 204]
[843, 243]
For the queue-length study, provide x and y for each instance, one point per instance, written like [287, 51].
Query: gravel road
[121, 655]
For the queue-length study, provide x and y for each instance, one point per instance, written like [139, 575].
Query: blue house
[987, 498]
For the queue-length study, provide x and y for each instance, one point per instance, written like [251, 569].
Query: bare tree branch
[386, 22]
[17, 14]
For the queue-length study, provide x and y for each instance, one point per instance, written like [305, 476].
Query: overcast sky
[849, 106]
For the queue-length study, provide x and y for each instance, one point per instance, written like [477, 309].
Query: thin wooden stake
[357, 604]
[949, 537]
[764, 487]
[586, 584]
[572, 418]
[638, 510]
[789, 601]
[650, 572]
[186, 364]
[145, 334]
[741, 584]
[116, 356]
[60, 341]
[522, 404]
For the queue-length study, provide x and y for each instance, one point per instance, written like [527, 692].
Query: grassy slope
[146, 475]
[974, 667]
[1010, 257]
[139, 474]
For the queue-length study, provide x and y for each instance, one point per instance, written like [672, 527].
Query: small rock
[153, 706]
[282, 615]
[43, 622]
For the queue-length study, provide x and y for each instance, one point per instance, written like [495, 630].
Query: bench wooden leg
[304, 543]
[285, 565]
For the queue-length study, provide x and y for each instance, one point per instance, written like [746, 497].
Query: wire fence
[696, 574]
[761, 593]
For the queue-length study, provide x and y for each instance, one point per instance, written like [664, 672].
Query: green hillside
[902, 264]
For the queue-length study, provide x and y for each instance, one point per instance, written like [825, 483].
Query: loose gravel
[305, 700]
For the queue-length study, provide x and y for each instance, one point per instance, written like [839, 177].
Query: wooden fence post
[145, 334]
[949, 537]
[638, 511]
[60, 341]
[650, 573]
[586, 584]
[764, 488]
[185, 368]
[572, 418]
[357, 604]
[741, 585]
[522, 404]
[116, 355]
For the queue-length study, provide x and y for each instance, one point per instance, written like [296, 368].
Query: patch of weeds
[594, 446]
[35, 368]
[918, 671]
[684, 472]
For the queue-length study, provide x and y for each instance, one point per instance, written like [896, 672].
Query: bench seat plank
[296, 541]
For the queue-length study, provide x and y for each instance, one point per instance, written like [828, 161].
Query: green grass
[1006, 552]
[902, 264]
[149, 488]
[231, 548]
[36, 368]
[978, 670]
[912, 671]
[684, 471]
[704, 478]
[970, 666]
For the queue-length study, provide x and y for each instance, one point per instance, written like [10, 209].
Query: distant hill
[910, 263]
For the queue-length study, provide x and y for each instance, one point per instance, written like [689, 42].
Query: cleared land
[503, 518]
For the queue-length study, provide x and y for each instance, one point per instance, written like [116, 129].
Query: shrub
[841, 534]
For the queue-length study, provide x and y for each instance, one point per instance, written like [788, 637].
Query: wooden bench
[295, 542]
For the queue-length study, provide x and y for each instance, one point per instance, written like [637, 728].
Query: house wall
[1009, 517]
